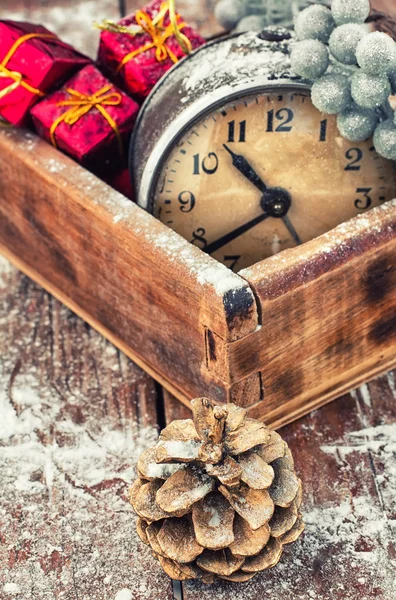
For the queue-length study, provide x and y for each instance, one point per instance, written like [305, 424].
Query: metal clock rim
[192, 114]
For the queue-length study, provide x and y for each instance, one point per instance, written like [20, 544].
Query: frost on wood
[69, 443]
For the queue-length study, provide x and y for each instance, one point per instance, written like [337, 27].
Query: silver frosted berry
[309, 59]
[229, 12]
[252, 23]
[357, 124]
[376, 53]
[350, 11]
[370, 91]
[344, 40]
[314, 23]
[331, 93]
[385, 139]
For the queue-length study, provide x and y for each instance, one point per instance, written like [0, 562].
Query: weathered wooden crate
[282, 337]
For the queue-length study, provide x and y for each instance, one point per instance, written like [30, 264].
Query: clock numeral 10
[284, 116]
[209, 164]
[241, 131]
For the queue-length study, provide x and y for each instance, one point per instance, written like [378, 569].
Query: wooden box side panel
[136, 281]
[328, 315]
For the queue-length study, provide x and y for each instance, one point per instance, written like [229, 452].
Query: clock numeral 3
[198, 238]
[365, 202]
[354, 155]
[187, 201]
[242, 131]
[284, 115]
[232, 260]
[211, 159]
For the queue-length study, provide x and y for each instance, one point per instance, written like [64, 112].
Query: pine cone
[217, 496]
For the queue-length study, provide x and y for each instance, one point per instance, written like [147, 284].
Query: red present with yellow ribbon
[89, 119]
[33, 61]
[138, 50]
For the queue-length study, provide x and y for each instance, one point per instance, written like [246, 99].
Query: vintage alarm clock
[230, 152]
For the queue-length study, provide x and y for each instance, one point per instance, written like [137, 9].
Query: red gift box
[122, 183]
[32, 61]
[89, 119]
[137, 62]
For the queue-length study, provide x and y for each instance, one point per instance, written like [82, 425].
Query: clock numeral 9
[242, 131]
[210, 159]
[284, 115]
[354, 155]
[198, 238]
[187, 201]
[365, 202]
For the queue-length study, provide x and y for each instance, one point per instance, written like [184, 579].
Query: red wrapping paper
[122, 183]
[43, 64]
[91, 140]
[139, 75]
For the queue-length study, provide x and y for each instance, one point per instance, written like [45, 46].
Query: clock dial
[266, 173]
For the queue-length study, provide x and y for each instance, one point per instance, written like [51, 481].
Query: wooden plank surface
[75, 413]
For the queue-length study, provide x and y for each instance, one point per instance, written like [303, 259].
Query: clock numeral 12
[242, 131]
[209, 170]
[284, 115]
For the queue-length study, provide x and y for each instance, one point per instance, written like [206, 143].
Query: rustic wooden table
[75, 414]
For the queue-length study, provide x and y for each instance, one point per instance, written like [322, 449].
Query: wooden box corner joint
[281, 337]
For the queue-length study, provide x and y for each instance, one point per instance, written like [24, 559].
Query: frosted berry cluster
[353, 71]
[251, 15]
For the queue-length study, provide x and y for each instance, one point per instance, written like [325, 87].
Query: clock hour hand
[246, 169]
[232, 235]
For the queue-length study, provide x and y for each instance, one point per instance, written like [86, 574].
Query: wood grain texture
[344, 454]
[136, 281]
[75, 413]
[327, 314]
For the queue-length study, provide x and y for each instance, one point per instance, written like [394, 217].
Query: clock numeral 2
[187, 201]
[232, 260]
[242, 131]
[365, 202]
[199, 239]
[210, 159]
[284, 115]
[354, 155]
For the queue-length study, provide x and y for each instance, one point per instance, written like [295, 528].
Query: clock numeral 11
[241, 131]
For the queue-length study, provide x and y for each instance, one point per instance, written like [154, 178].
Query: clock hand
[291, 229]
[246, 169]
[232, 235]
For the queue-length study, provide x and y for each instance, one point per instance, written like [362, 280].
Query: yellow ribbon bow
[80, 105]
[15, 75]
[158, 32]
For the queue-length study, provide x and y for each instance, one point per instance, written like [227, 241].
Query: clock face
[265, 173]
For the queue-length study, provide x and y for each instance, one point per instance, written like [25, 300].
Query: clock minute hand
[246, 169]
[232, 235]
